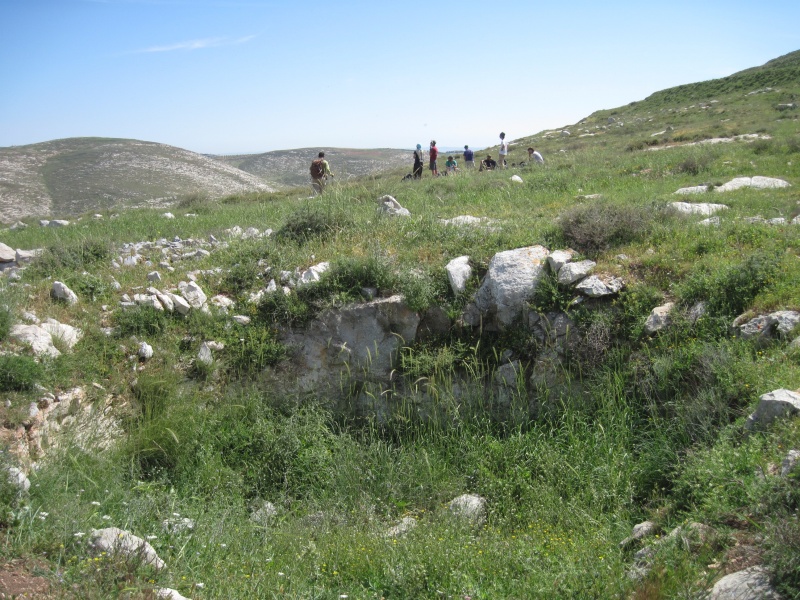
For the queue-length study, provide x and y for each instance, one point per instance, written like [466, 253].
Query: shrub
[140, 320]
[421, 290]
[549, 296]
[152, 393]
[310, 223]
[6, 320]
[593, 228]
[693, 165]
[18, 373]
[250, 350]
[279, 309]
[634, 305]
[75, 257]
[89, 286]
[729, 289]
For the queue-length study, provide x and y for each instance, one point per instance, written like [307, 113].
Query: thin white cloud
[200, 44]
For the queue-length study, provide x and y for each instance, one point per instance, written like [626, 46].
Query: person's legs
[318, 185]
[501, 164]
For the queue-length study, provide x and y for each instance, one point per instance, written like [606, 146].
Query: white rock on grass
[458, 273]
[61, 292]
[193, 294]
[181, 305]
[169, 594]
[241, 319]
[696, 189]
[758, 182]
[115, 541]
[749, 584]
[597, 287]
[469, 507]
[7, 253]
[18, 479]
[67, 334]
[154, 276]
[405, 525]
[313, 273]
[790, 462]
[388, 205]
[572, 272]
[516, 179]
[559, 258]
[40, 341]
[701, 208]
[772, 406]
[204, 355]
[659, 318]
[145, 351]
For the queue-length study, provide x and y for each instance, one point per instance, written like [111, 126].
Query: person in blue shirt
[469, 157]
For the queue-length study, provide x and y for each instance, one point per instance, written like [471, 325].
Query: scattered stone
[559, 258]
[66, 334]
[697, 189]
[572, 272]
[24, 257]
[469, 507]
[7, 253]
[145, 351]
[169, 593]
[711, 221]
[458, 273]
[516, 179]
[154, 276]
[405, 525]
[193, 294]
[262, 515]
[313, 273]
[204, 356]
[702, 208]
[790, 462]
[177, 524]
[168, 215]
[241, 319]
[388, 205]
[771, 406]
[18, 479]
[640, 531]
[597, 287]
[181, 305]
[659, 318]
[464, 220]
[765, 327]
[61, 292]
[749, 584]
[113, 540]
[40, 341]
[57, 223]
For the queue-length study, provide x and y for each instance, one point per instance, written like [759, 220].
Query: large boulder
[511, 279]
[7, 253]
[40, 341]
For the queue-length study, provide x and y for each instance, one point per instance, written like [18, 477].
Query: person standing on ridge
[418, 162]
[469, 157]
[501, 162]
[433, 155]
[320, 169]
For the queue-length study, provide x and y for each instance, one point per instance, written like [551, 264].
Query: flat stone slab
[700, 208]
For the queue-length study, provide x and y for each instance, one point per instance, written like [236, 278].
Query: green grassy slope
[629, 426]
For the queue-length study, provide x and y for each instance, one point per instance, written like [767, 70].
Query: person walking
[501, 162]
[469, 157]
[418, 161]
[320, 169]
[432, 156]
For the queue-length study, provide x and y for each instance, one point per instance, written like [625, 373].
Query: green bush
[549, 296]
[593, 228]
[88, 286]
[140, 320]
[729, 289]
[313, 222]
[6, 320]
[153, 393]
[249, 350]
[19, 373]
[75, 257]
[284, 310]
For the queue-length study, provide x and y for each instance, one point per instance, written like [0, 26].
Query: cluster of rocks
[13, 261]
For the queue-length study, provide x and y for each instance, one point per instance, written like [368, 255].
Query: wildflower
[79, 534]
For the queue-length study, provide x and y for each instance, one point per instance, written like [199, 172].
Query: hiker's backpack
[317, 170]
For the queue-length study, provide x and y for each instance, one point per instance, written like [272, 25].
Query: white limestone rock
[388, 205]
[145, 351]
[115, 541]
[40, 341]
[790, 462]
[597, 287]
[659, 318]
[773, 405]
[18, 479]
[572, 272]
[313, 273]
[458, 273]
[701, 208]
[516, 179]
[696, 189]
[193, 294]
[749, 584]
[405, 525]
[60, 291]
[7, 253]
[559, 258]
[469, 507]
[66, 334]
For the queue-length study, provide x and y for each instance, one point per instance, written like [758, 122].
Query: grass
[619, 428]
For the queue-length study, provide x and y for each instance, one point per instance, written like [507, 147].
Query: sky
[250, 76]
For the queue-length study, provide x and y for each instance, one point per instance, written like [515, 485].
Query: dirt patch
[18, 581]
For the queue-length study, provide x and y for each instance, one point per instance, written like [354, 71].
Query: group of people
[320, 169]
[451, 166]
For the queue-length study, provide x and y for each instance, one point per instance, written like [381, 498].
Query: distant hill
[75, 175]
[290, 167]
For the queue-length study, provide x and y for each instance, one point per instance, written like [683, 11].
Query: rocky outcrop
[749, 584]
[774, 405]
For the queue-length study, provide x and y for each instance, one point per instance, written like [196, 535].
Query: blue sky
[230, 76]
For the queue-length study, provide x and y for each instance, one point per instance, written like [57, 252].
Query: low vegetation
[628, 427]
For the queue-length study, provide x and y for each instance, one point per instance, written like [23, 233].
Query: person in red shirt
[434, 154]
